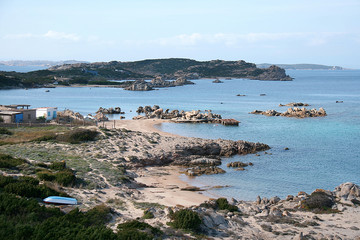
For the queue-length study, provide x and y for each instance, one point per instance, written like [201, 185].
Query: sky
[259, 31]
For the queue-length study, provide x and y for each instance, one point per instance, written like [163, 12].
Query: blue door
[19, 118]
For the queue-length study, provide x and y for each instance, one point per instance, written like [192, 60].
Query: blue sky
[323, 32]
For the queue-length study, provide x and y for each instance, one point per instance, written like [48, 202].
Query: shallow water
[323, 151]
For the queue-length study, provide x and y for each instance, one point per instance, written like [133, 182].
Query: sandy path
[144, 125]
[166, 187]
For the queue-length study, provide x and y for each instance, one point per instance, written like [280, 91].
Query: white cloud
[48, 35]
[61, 35]
[308, 38]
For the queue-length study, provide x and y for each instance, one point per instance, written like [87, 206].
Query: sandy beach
[164, 181]
[143, 125]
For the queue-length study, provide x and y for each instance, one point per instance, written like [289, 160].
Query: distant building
[49, 113]
[11, 117]
[28, 115]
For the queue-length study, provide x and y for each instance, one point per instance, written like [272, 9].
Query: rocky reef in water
[176, 115]
[158, 82]
[293, 112]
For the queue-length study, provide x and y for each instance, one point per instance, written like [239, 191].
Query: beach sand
[165, 181]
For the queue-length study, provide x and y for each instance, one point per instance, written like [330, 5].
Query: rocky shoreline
[118, 168]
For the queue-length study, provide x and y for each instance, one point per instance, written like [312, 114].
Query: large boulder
[347, 191]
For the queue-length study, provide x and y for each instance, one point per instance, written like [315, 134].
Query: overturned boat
[60, 200]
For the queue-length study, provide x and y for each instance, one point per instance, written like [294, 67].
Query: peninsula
[100, 73]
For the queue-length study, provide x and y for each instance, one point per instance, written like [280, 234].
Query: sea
[323, 152]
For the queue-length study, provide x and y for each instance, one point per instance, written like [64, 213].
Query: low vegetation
[5, 131]
[58, 173]
[77, 136]
[223, 204]
[7, 161]
[318, 202]
[185, 219]
[136, 230]
[50, 133]
[27, 187]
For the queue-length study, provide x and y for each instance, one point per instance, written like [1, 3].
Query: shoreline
[165, 180]
[165, 187]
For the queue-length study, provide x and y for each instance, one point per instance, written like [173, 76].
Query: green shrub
[65, 178]
[223, 204]
[45, 176]
[58, 166]
[318, 201]
[185, 219]
[7, 161]
[22, 218]
[30, 180]
[23, 189]
[5, 180]
[147, 215]
[49, 137]
[5, 131]
[78, 135]
[133, 227]
[98, 215]
[133, 234]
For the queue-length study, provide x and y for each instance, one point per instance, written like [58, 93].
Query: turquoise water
[323, 152]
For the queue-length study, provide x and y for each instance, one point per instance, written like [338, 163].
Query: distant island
[101, 73]
[41, 63]
[302, 66]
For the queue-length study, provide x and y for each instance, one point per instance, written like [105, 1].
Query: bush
[4, 180]
[78, 135]
[318, 201]
[5, 131]
[185, 219]
[58, 166]
[30, 180]
[148, 215]
[7, 161]
[49, 137]
[65, 178]
[223, 204]
[23, 189]
[132, 228]
[27, 187]
[45, 176]
[22, 218]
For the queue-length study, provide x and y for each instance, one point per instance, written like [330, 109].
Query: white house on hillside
[49, 113]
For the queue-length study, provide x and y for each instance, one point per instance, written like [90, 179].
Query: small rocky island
[158, 82]
[293, 112]
[194, 116]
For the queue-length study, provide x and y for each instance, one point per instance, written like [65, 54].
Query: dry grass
[28, 134]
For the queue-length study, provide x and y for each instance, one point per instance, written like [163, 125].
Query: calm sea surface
[324, 152]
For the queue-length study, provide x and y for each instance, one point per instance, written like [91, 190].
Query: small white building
[49, 113]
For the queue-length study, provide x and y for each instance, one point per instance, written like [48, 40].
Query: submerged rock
[198, 171]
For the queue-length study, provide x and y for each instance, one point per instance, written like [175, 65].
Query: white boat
[60, 200]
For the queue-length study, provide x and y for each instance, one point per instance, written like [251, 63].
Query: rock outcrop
[139, 85]
[68, 116]
[158, 82]
[182, 116]
[198, 171]
[294, 104]
[274, 73]
[294, 112]
[217, 81]
[116, 110]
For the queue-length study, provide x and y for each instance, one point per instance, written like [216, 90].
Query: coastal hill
[44, 63]
[303, 66]
[101, 72]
